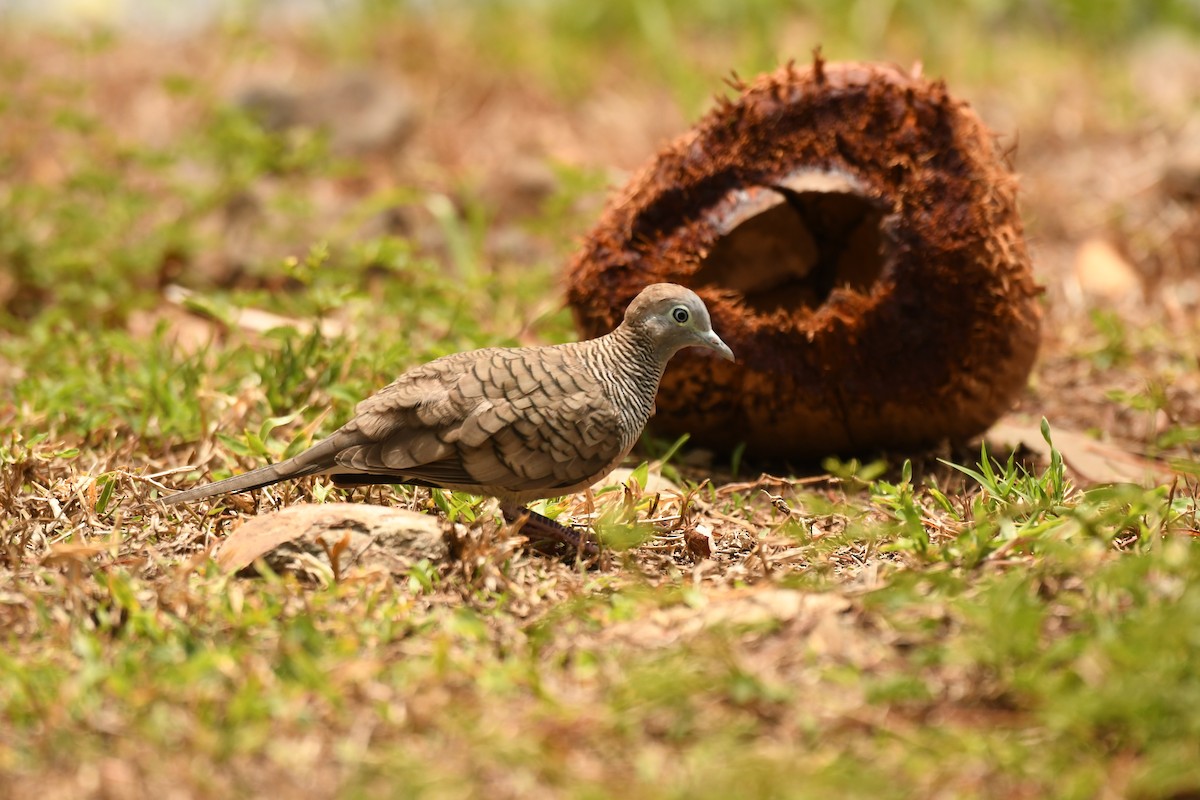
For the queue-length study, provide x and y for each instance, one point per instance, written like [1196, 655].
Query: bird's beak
[713, 342]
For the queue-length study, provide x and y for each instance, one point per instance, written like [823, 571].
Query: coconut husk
[854, 231]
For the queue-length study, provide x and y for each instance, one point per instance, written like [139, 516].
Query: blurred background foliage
[147, 146]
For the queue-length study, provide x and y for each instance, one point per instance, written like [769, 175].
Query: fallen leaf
[1089, 460]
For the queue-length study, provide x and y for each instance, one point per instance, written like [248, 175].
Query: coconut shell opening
[809, 233]
[854, 231]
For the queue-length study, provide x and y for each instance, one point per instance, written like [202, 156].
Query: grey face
[677, 318]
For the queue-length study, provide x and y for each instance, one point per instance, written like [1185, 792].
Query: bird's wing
[504, 422]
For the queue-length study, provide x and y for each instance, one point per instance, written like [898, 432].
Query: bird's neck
[640, 352]
[629, 368]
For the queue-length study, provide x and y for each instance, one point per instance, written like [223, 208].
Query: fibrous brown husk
[854, 231]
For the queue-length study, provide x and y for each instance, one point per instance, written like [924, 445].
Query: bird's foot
[543, 529]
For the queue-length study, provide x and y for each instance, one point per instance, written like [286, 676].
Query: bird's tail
[316, 459]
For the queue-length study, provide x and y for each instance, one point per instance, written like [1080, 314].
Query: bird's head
[674, 317]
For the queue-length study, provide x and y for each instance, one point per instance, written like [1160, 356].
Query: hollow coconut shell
[854, 231]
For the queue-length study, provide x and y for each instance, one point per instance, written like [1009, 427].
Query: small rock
[1104, 273]
[521, 187]
[275, 108]
[299, 539]
[362, 112]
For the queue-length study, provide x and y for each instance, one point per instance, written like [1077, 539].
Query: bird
[518, 424]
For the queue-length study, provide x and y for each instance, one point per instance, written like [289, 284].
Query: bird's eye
[680, 314]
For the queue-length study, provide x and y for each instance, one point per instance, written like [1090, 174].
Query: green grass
[1044, 675]
[895, 626]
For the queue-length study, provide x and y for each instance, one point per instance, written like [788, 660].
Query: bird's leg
[537, 526]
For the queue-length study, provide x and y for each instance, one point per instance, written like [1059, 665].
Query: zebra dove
[518, 424]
